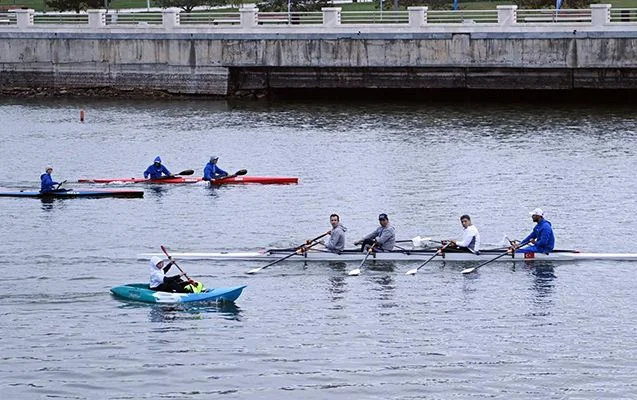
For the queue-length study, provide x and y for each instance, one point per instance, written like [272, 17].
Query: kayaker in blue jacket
[156, 170]
[47, 183]
[211, 171]
[541, 238]
[384, 236]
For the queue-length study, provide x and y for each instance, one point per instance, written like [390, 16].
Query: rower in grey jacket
[384, 236]
[336, 244]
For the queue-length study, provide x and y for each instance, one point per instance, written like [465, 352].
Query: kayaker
[336, 244]
[470, 237]
[384, 236]
[212, 171]
[541, 238]
[160, 282]
[156, 170]
[47, 183]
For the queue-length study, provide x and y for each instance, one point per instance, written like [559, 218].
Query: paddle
[174, 263]
[60, 184]
[413, 271]
[238, 173]
[184, 172]
[357, 271]
[305, 245]
[470, 270]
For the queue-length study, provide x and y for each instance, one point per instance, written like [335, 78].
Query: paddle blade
[411, 272]
[468, 270]
[354, 272]
[241, 172]
[186, 172]
[254, 271]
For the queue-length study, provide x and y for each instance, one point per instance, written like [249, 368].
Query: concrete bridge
[225, 53]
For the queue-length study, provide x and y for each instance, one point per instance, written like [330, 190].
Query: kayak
[263, 180]
[65, 194]
[355, 255]
[141, 292]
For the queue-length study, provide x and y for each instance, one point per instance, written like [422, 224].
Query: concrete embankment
[211, 62]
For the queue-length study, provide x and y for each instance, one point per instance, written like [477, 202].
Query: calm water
[310, 331]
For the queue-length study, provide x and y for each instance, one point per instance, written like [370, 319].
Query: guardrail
[598, 15]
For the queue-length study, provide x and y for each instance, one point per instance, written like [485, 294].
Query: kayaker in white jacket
[336, 244]
[158, 279]
[383, 238]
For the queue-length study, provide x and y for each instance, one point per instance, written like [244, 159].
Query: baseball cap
[383, 216]
[537, 211]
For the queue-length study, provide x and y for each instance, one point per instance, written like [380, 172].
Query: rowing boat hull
[412, 255]
[141, 292]
[237, 180]
[76, 193]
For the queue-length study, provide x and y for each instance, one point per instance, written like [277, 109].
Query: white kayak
[355, 255]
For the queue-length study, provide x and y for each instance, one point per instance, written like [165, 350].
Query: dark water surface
[512, 331]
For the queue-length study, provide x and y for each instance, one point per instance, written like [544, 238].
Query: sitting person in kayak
[336, 244]
[541, 237]
[212, 171]
[160, 282]
[156, 170]
[383, 237]
[47, 183]
[470, 237]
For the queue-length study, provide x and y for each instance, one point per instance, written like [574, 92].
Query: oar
[470, 270]
[306, 245]
[357, 271]
[174, 263]
[413, 271]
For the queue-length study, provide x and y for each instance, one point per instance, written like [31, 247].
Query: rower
[336, 244]
[541, 237]
[384, 236]
[470, 241]
[47, 184]
[211, 171]
[156, 170]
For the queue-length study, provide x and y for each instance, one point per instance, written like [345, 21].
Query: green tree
[189, 5]
[74, 5]
[532, 4]
[295, 5]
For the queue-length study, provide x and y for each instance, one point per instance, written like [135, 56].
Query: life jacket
[194, 287]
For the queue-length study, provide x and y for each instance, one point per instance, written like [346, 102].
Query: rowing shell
[236, 180]
[399, 255]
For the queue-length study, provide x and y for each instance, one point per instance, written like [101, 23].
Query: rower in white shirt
[470, 237]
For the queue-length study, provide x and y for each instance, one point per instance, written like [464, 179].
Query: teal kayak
[141, 292]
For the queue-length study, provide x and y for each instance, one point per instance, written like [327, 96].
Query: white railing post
[249, 16]
[331, 16]
[96, 18]
[600, 14]
[417, 16]
[24, 18]
[170, 17]
[507, 15]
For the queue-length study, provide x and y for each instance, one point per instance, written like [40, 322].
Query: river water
[513, 330]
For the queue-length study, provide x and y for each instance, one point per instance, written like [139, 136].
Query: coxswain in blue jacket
[156, 170]
[211, 171]
[542, 237]
[47, 182]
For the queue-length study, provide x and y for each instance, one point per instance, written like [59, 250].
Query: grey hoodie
[336, 244]
[385, 237]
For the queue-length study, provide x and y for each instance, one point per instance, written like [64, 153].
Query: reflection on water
[186, 311]
[544, 279]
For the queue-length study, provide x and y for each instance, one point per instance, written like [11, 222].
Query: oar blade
[468, 270]
[354, 272]
[253, 271]
[412, 271]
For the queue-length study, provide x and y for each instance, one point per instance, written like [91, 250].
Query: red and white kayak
[263, 180]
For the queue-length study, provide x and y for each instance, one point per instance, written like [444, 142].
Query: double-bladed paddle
[238, 173]
[60, 184]
[171, 259]
[470, 270]
[357, 271]
[439, 251]
[308, 244]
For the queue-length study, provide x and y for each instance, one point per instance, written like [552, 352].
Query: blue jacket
[543, 234]
[47, 184]
[155, 172]
[212, 171]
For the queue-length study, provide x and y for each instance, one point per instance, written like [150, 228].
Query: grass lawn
[39, 5]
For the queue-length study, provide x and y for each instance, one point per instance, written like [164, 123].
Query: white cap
[537, 211]
[155, 260]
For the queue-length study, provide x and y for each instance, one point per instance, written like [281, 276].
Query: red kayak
[264, 180]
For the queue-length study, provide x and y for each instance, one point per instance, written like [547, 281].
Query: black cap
[383, 216]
